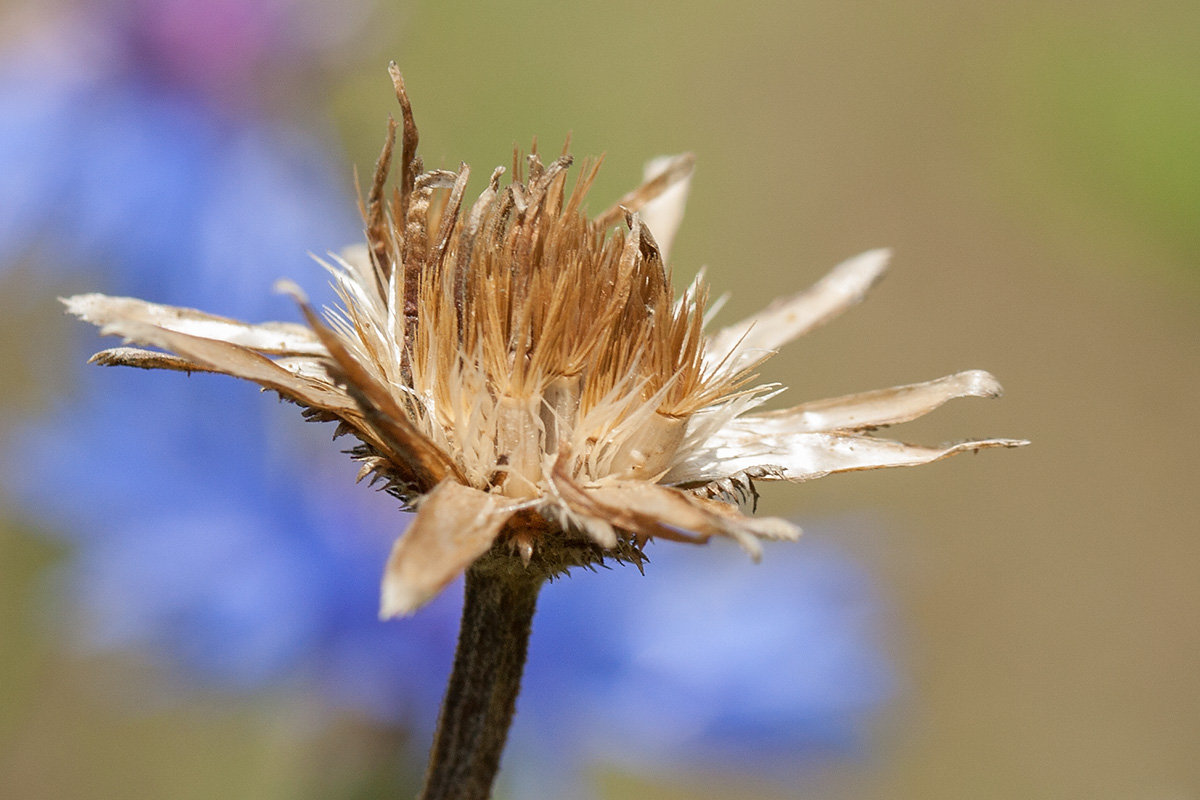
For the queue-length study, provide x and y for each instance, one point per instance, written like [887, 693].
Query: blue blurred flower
[212, 532]
[705, 659]
[199, 538]
[198, 535]
[204, 539]
[701, 664]
[161, 189]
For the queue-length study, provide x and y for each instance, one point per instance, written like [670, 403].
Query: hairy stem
[482, 695]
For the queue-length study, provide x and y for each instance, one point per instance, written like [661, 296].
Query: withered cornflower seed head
[524, 376]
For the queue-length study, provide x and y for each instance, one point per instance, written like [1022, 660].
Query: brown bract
[525, 377]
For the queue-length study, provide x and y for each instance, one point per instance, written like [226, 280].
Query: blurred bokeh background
[187, 573]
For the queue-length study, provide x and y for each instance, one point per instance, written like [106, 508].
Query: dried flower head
[524, 376]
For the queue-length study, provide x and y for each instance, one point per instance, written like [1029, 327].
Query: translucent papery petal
[664, 214]
[276, 338]
[455, 525]
[312, 367]
[706, 422]
[356, 259]
[668, 173]
[740, 346]
[235, 360]
[364, 322]
[771, 528]
[654, 511]
[357, 293]
[870, 409]
[422, 462]
[145, 359]
[804, 456]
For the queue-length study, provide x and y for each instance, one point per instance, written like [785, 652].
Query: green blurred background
[1036, 168]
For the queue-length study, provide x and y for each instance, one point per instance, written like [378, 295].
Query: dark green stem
[478, 708]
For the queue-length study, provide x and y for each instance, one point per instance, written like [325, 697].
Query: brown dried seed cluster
[520, 328]
[524, 376]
